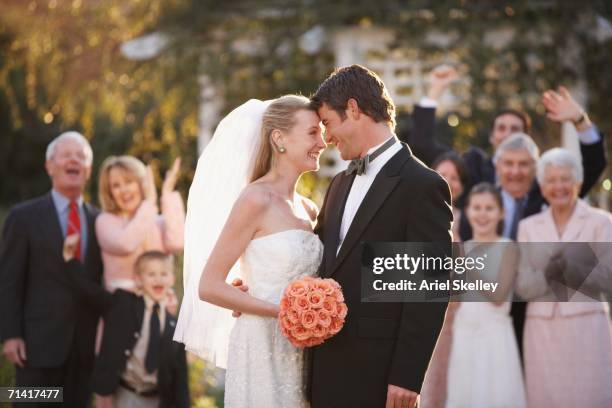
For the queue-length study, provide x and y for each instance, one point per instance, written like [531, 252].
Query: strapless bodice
[270, 262]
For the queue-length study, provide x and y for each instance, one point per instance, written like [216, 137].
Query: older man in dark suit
[47, 334]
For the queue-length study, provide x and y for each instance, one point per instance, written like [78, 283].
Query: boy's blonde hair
[152, 256]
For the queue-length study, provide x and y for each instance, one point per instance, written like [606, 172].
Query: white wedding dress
[484, 368]
[264, 370]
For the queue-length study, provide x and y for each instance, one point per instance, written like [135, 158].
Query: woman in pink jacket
[131, 223]
[568, 339]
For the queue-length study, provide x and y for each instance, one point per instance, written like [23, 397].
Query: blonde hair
[132, 166]
[280, 115]
[152, 256]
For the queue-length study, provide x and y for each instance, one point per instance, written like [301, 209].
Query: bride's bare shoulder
[256, 196]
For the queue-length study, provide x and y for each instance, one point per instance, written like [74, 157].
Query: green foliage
[205, 392]
[63, 69]
[7, 373]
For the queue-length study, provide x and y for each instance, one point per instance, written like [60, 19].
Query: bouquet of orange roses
[311, 311]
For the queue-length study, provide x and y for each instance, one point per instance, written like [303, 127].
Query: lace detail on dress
[264, 369]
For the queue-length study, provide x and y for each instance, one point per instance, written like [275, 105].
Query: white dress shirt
[510, 205]
[362, 185]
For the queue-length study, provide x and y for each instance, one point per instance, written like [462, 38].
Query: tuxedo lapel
[383, 185]
[139, 305]
[332, 234]
[50, 225]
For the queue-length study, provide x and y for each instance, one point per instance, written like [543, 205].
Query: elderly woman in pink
[131, 224]
[567, 339]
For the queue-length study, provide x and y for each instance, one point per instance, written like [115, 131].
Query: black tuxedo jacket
[122, 324]
[37, 302]
[380, 343]
[418, 131]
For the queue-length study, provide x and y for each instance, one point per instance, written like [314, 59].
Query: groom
[380, 356]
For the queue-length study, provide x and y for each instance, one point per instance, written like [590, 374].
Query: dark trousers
[518, 311]
[73, 375]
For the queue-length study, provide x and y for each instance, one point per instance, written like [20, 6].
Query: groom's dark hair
[361, 84]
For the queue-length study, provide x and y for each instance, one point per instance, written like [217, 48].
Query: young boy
[139, 363]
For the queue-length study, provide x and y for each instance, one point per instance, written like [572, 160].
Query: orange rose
[293, 315]
[342, 310]
[285, 331]
[319, 331]
[335, 284]
[285, 303]
[316, 298]
[297, 288]
[300, 333]
[335, 327]
[329, 305]
[309, 319]
[324, 318]
[286, 323]
[315, 341]
[301, 303]
[324, 286]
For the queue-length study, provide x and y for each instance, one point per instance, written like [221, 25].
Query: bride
[245, 219]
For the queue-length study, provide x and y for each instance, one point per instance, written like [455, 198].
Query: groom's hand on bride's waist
[398, 397]
[240, 285]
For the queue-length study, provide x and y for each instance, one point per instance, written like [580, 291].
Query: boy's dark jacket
[123, 314]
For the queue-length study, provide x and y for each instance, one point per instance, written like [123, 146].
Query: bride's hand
[240, 285]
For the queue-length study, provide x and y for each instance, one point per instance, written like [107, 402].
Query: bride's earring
[275, 143]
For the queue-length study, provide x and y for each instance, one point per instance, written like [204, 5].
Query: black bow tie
[360, 165]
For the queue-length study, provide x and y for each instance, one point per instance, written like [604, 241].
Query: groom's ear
[352, 109]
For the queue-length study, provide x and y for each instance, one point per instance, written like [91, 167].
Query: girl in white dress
[484, 367]
[251, 167]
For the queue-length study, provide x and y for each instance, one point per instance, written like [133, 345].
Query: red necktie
[74, 226]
